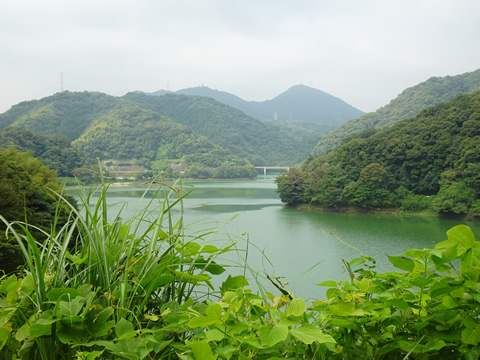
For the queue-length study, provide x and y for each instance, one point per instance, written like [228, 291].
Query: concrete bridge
[265, 168]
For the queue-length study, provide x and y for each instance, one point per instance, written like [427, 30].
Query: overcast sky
[363, 51]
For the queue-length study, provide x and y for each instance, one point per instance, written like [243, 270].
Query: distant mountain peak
[300, 103]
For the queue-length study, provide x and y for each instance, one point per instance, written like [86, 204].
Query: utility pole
[61, 82]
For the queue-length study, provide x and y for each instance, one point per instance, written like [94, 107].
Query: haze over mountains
[300, 103]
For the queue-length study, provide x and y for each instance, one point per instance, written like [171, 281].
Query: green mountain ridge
[262, 143]
[409, 103]
[299, 103]
[159, 130]
[430, 161]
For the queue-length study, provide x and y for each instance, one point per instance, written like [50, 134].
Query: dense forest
[300, 103]
[26, 186]
[262, 143]
[54, 150]
[431, 161]
[406, 105]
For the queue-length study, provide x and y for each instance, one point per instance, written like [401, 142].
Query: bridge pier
[271, 167]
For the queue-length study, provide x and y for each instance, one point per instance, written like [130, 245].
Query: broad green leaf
[9, 284]
[471, 336]
[129, 348]
[233, 283]
[470, 266]
[415, 253]
[97, 322]
[402, 262]
[435, 344]
[42, 327]
[202, 350]
[212, 267]
[357, 261]
[23, 332]
[214, 311]
[273, 334]
[460, 236]
[329, 283]
[70, 308]
[308, 333]
[72, 334]
[443, 290]
[124, 328]
[202, 321]
[214, 335]
[90, 355]
[397, 303]
[27, 285]
[422, 282]
[172, 305]
[63, 294]
[5, 315]
[343, 323]
[296, 307]
[346, 308]
[226, 351]
[4, 336]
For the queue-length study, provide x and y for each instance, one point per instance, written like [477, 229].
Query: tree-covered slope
[72, 114]
[67, 113]
[54, 150]
[26, 187]
[300, 103]
[409, 103]
[263, 143]
[132, 132]
[431, 160]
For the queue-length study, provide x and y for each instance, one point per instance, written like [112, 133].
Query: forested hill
[300, 103]
[199, 120]
[409, 103]
[260, 142]
[67, 113]
[431, 161]
[55, 150]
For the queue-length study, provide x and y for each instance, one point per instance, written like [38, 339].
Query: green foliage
[66, 113]
[435, 152]
[25, 190]
[55, 150]
[271, 143]
[406, 105]
[291, 187]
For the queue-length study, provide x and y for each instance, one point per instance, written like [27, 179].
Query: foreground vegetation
[427, 163]
[104, 286]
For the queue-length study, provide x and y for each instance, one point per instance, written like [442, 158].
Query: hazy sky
[362, 51]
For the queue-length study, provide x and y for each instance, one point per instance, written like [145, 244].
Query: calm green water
[292, 243]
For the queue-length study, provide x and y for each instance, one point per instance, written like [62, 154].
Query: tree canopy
[429, 161]
[26, 187]
[406, 105]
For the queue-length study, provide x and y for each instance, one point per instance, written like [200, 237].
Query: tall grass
[133, 265]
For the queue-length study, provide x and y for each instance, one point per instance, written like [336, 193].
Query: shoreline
[378, 211]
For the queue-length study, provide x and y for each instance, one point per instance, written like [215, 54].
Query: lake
[298, 245]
